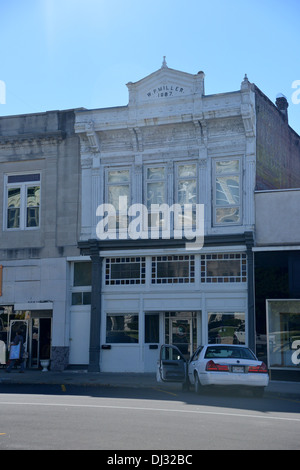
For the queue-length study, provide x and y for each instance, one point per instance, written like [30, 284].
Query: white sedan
[214, 364]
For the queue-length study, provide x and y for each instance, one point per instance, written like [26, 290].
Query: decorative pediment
[165, 84]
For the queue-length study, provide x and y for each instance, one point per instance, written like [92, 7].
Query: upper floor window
[227, 192]
[118, 195]
[156, 194]
[187, 192]
[22, 201]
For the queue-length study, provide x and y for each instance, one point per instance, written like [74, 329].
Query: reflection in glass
[283, 333]
[33, 203]
[118, 176]
[13, 211]
[122, 328]
[227, 190]
[115, 192]
[156, 173]
[226, 328]
[187, 171]
[155, 194]
[227, 166]
[227, 215]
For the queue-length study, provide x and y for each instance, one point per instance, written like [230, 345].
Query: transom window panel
[227, 191]
[125, 271]
[173, 269]
[226, 267]
[122, 328]
[23, 201]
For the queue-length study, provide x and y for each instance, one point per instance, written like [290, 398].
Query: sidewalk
[83, 378]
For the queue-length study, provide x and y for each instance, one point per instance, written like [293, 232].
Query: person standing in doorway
[18, 339]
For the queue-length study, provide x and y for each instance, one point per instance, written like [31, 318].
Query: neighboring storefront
[35, 326]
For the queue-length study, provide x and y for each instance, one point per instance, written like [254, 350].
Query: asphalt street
[66, 417]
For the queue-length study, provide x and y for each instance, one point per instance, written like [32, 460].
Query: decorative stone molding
[93, 139]
[136, 138]
[247, 108]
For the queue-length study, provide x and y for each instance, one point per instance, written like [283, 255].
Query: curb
[175, 387]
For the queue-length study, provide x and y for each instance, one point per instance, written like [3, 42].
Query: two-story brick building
[39, 213]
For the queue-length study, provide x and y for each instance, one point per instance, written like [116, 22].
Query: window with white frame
[118, 194]
[22, 202]
[227, 192]
[186, 193]
[81, 283]
[156, 193]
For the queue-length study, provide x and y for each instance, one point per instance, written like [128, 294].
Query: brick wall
[278, 147]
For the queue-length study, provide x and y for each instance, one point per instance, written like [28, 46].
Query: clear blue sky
[62, 54]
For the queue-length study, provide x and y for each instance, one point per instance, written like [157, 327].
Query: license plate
[238, 369]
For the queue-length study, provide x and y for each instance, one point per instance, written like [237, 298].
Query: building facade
[39, 211]
[172, 145]
[174, 219]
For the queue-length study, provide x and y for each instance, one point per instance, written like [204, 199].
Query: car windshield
[228, 352]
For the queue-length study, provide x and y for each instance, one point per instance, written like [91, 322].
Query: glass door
[181, 331]
[181, 335]
[40, 344]
[22, 327]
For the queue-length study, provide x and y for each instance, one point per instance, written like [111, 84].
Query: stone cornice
[57, 136]
[92, 246]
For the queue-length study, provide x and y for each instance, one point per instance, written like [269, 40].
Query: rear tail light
[262, 368]
[212, 366]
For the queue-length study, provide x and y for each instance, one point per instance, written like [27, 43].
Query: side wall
[277, 148]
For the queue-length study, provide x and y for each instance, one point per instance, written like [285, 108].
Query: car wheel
[198, 386]
[258, 392]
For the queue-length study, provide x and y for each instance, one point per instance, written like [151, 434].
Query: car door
[193, 364]
[172, 365]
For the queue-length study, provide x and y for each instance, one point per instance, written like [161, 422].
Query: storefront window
[283, 324]
[122, 328]
[226, 328]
